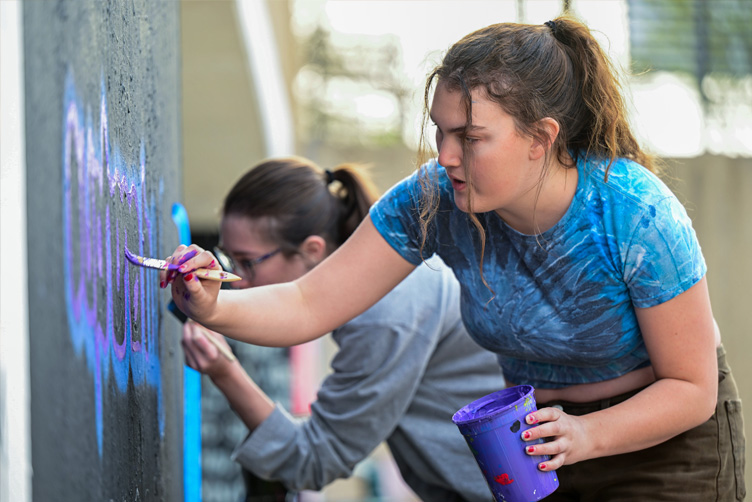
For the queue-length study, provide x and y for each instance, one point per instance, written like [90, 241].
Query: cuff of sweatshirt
[266, 441]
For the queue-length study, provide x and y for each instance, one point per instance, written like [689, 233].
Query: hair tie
[552, 26]
[329, 177]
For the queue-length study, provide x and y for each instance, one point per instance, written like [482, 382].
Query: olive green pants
[704, 464]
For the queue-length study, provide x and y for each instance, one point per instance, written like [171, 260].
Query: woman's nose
[450, 153]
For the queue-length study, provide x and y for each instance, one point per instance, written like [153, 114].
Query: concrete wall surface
[102, 90]
[717, 193]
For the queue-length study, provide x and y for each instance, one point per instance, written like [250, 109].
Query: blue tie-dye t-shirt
[562, 308]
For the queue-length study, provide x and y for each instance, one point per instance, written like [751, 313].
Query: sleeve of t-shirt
[663, 257]
[396, 216]
[376, 373]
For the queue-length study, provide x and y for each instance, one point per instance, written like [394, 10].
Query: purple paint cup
[493, 427]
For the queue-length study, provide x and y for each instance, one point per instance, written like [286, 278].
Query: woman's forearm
[246, 399]
[329, 295]
[254, 315]
[663, 410]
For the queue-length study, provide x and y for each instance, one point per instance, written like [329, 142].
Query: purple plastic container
[492, 427]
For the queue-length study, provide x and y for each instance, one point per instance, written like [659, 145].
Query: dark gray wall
[103, 157]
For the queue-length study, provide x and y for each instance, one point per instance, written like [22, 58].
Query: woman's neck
[547, 204]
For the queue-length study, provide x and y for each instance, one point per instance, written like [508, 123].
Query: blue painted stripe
[191, 395]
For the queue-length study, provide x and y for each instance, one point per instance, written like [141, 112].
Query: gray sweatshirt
[403, 368]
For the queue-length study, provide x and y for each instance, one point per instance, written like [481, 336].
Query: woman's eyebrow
[461, 129]
[466, 129]
[458, 129]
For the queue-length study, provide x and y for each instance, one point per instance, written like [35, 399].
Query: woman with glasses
[395, 374]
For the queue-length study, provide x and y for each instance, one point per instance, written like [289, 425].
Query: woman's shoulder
[624, 183]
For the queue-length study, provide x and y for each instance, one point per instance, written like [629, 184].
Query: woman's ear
[313, 250]
[550, 127]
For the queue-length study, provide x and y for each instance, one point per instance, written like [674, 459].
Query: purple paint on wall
[90, 163]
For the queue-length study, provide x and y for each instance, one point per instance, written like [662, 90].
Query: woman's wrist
[230, 374]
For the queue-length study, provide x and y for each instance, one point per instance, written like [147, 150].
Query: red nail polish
[188, 277]
[161, 284]
[526, 434]
[530, 449]
[531, 419]
[542, 467]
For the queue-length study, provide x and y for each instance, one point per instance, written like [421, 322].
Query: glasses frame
[246, 267]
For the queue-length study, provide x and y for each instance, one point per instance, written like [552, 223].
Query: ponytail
[356, 193]
[300, 199]
[598, 123]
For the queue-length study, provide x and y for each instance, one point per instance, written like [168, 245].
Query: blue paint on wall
[191, 395]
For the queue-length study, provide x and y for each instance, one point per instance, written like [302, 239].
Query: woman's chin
[460, 200]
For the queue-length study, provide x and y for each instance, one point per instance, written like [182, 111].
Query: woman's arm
[344, 285]
[248, 401]
[377, 371]
[681, 338]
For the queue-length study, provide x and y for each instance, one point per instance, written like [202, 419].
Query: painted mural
[95, 176]
[103, 163]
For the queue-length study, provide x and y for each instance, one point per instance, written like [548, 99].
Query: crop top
[561, 306]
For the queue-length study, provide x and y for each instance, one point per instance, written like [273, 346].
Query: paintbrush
[201, 273]
[221, 348]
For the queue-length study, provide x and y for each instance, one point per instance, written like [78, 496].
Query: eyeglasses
[246, 267]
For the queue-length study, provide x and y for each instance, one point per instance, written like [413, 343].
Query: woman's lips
[458, 185]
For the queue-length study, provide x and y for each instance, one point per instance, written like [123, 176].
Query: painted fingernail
[531, 419]
[530, 449]
[542, 467]
[188, 277]
[526, 434]
[162, 284]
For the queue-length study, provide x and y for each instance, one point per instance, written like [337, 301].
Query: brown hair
[301, 199]
[554, 70]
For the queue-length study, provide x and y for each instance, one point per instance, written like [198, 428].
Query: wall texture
[716, 192]
[103, 155]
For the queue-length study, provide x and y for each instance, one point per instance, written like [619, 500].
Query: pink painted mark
[503, 479]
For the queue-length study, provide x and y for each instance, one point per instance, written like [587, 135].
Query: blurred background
[342, 80]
